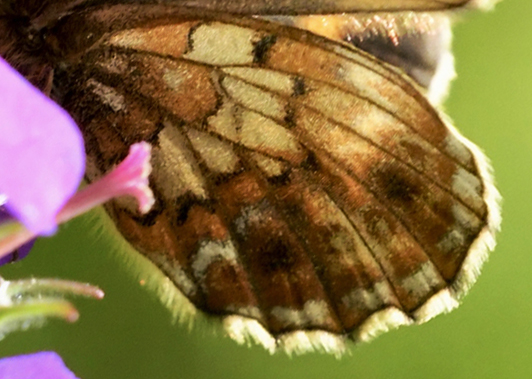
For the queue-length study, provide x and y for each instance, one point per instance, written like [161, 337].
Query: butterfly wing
[45, 13]
[325, 6]
[300, 183]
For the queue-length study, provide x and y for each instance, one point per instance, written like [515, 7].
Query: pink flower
[42, 365]
[42, 161]
[42, 156]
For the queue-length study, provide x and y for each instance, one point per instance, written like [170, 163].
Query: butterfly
[307, 191]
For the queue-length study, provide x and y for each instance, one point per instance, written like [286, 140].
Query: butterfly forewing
[322, 6]
[50, 11]
[299, 182]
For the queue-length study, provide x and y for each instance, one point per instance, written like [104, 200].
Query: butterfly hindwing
[299, 182]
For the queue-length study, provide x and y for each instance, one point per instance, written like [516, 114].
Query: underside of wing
[301, 185]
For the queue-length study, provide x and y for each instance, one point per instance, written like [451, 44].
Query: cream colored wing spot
[332, 138]
[276, 82]
[222, 44]
[456, 149]
[173, 154]
[459, 233]
[211, 251]
[248, 216]
[273, 107]
[255, 132]
[313, 311]
[451, 241]
[226, 121]
[468, 188]
[254, 98]
[263, 134]
[108, 95]
[370, 299]
[465, 219]
[269, 166]
[218, 155]
[423, 282]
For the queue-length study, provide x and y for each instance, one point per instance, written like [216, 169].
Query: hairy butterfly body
[306, 191]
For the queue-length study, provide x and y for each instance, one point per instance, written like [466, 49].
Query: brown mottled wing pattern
[300, 183]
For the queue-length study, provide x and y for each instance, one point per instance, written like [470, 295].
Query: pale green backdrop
[129, 334]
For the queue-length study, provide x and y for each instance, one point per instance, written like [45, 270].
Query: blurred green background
[130, 335]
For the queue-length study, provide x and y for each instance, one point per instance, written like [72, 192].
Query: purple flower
[42, 160]
[20, 252]
[43, 365]
[42, 156]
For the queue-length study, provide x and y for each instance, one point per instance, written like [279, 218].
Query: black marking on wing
[261, 48]
[300, 87]
[396, 186]
[276, 255]
[280, 180]
[185, 202]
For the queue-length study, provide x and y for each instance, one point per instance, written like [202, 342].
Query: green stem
[58, 286]
[23, 315]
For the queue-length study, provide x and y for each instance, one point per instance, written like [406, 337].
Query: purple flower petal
[42, 158]
[129, 178]
[43, 365]
[20, 252]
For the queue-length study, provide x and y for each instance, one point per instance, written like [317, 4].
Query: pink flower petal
[42, 157]
[129, 178]
[43, 365]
